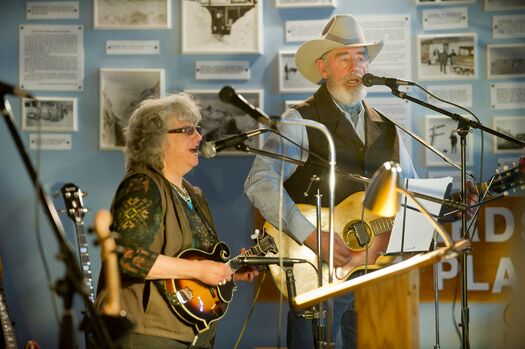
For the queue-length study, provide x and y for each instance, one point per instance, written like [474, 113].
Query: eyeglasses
[187, 130]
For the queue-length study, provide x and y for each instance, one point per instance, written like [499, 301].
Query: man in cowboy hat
[363, 139]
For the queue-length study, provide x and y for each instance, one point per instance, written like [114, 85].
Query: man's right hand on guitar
[341, 252]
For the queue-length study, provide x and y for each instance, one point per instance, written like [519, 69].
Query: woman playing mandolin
[158, 214]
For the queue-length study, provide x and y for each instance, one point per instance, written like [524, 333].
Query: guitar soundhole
[356, 235]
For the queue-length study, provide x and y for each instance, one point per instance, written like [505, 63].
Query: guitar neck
[382, 225]
[234, 263]
[84, 258]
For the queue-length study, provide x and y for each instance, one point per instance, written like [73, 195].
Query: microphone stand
[463, 129]
[331, 185]
[73, 281]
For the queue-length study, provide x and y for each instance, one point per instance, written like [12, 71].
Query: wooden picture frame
[121, 91]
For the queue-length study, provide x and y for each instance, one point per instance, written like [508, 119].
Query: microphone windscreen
[368, 79]
[226, 94]
[207, 150]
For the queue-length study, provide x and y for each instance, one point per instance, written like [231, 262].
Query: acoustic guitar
[199, 304]
[373, 231]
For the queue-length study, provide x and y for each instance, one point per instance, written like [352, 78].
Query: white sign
[222, 70]
[394, 60]
[52, 57]
[52, 10]
[509, 95]
[50, 141]
[504, 27]
[304, 30]
[447, 18]
[132, 47]
[458, 94]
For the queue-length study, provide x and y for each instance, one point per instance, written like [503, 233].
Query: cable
[38, 232]
[250, 311]
[475, 117]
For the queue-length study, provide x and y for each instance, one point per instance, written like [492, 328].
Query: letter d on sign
[490, 224]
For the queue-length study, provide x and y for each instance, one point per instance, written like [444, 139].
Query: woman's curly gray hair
[148, 126]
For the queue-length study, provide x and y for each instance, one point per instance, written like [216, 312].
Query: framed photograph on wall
[217, 29]
[221, 120]
[440, 133]
[304, 3]
[121, 91]
[132, 14]
[513, 126]
[503, 5]
[290, 79]
[443, 2]
[505, 61]
[447, 56]
[49, 114]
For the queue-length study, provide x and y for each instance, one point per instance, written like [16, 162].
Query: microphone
[249, 260]
[372, 80]
[6, 89]
[210, 149]
[228, 95]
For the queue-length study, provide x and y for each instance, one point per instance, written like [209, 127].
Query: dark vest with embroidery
[352, 156]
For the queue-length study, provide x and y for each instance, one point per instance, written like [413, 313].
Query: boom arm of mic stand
[459, 118]
[74, 275]
[450, 203]
[422, 141]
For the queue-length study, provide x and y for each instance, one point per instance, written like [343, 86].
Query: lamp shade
[382, 196]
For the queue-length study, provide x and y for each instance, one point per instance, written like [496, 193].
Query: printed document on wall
[51, 57]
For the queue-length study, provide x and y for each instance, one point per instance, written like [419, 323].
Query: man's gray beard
[344, 95]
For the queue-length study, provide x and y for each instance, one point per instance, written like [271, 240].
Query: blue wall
[98, 172]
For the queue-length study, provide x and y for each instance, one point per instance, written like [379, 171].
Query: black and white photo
[447, 56]
[443, 2]
[440, 132]
[231, 27]
[121, 91]
[304, 3]
[513, 126]
[221, 120]
[132, 14]
[505, 61]
[49, 114]
[503, 5]
[290, 79]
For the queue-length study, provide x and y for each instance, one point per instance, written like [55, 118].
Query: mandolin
[199, 304]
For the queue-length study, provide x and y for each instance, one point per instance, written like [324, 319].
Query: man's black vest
[352, 156]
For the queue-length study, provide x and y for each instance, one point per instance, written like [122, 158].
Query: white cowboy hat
[340, 31]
